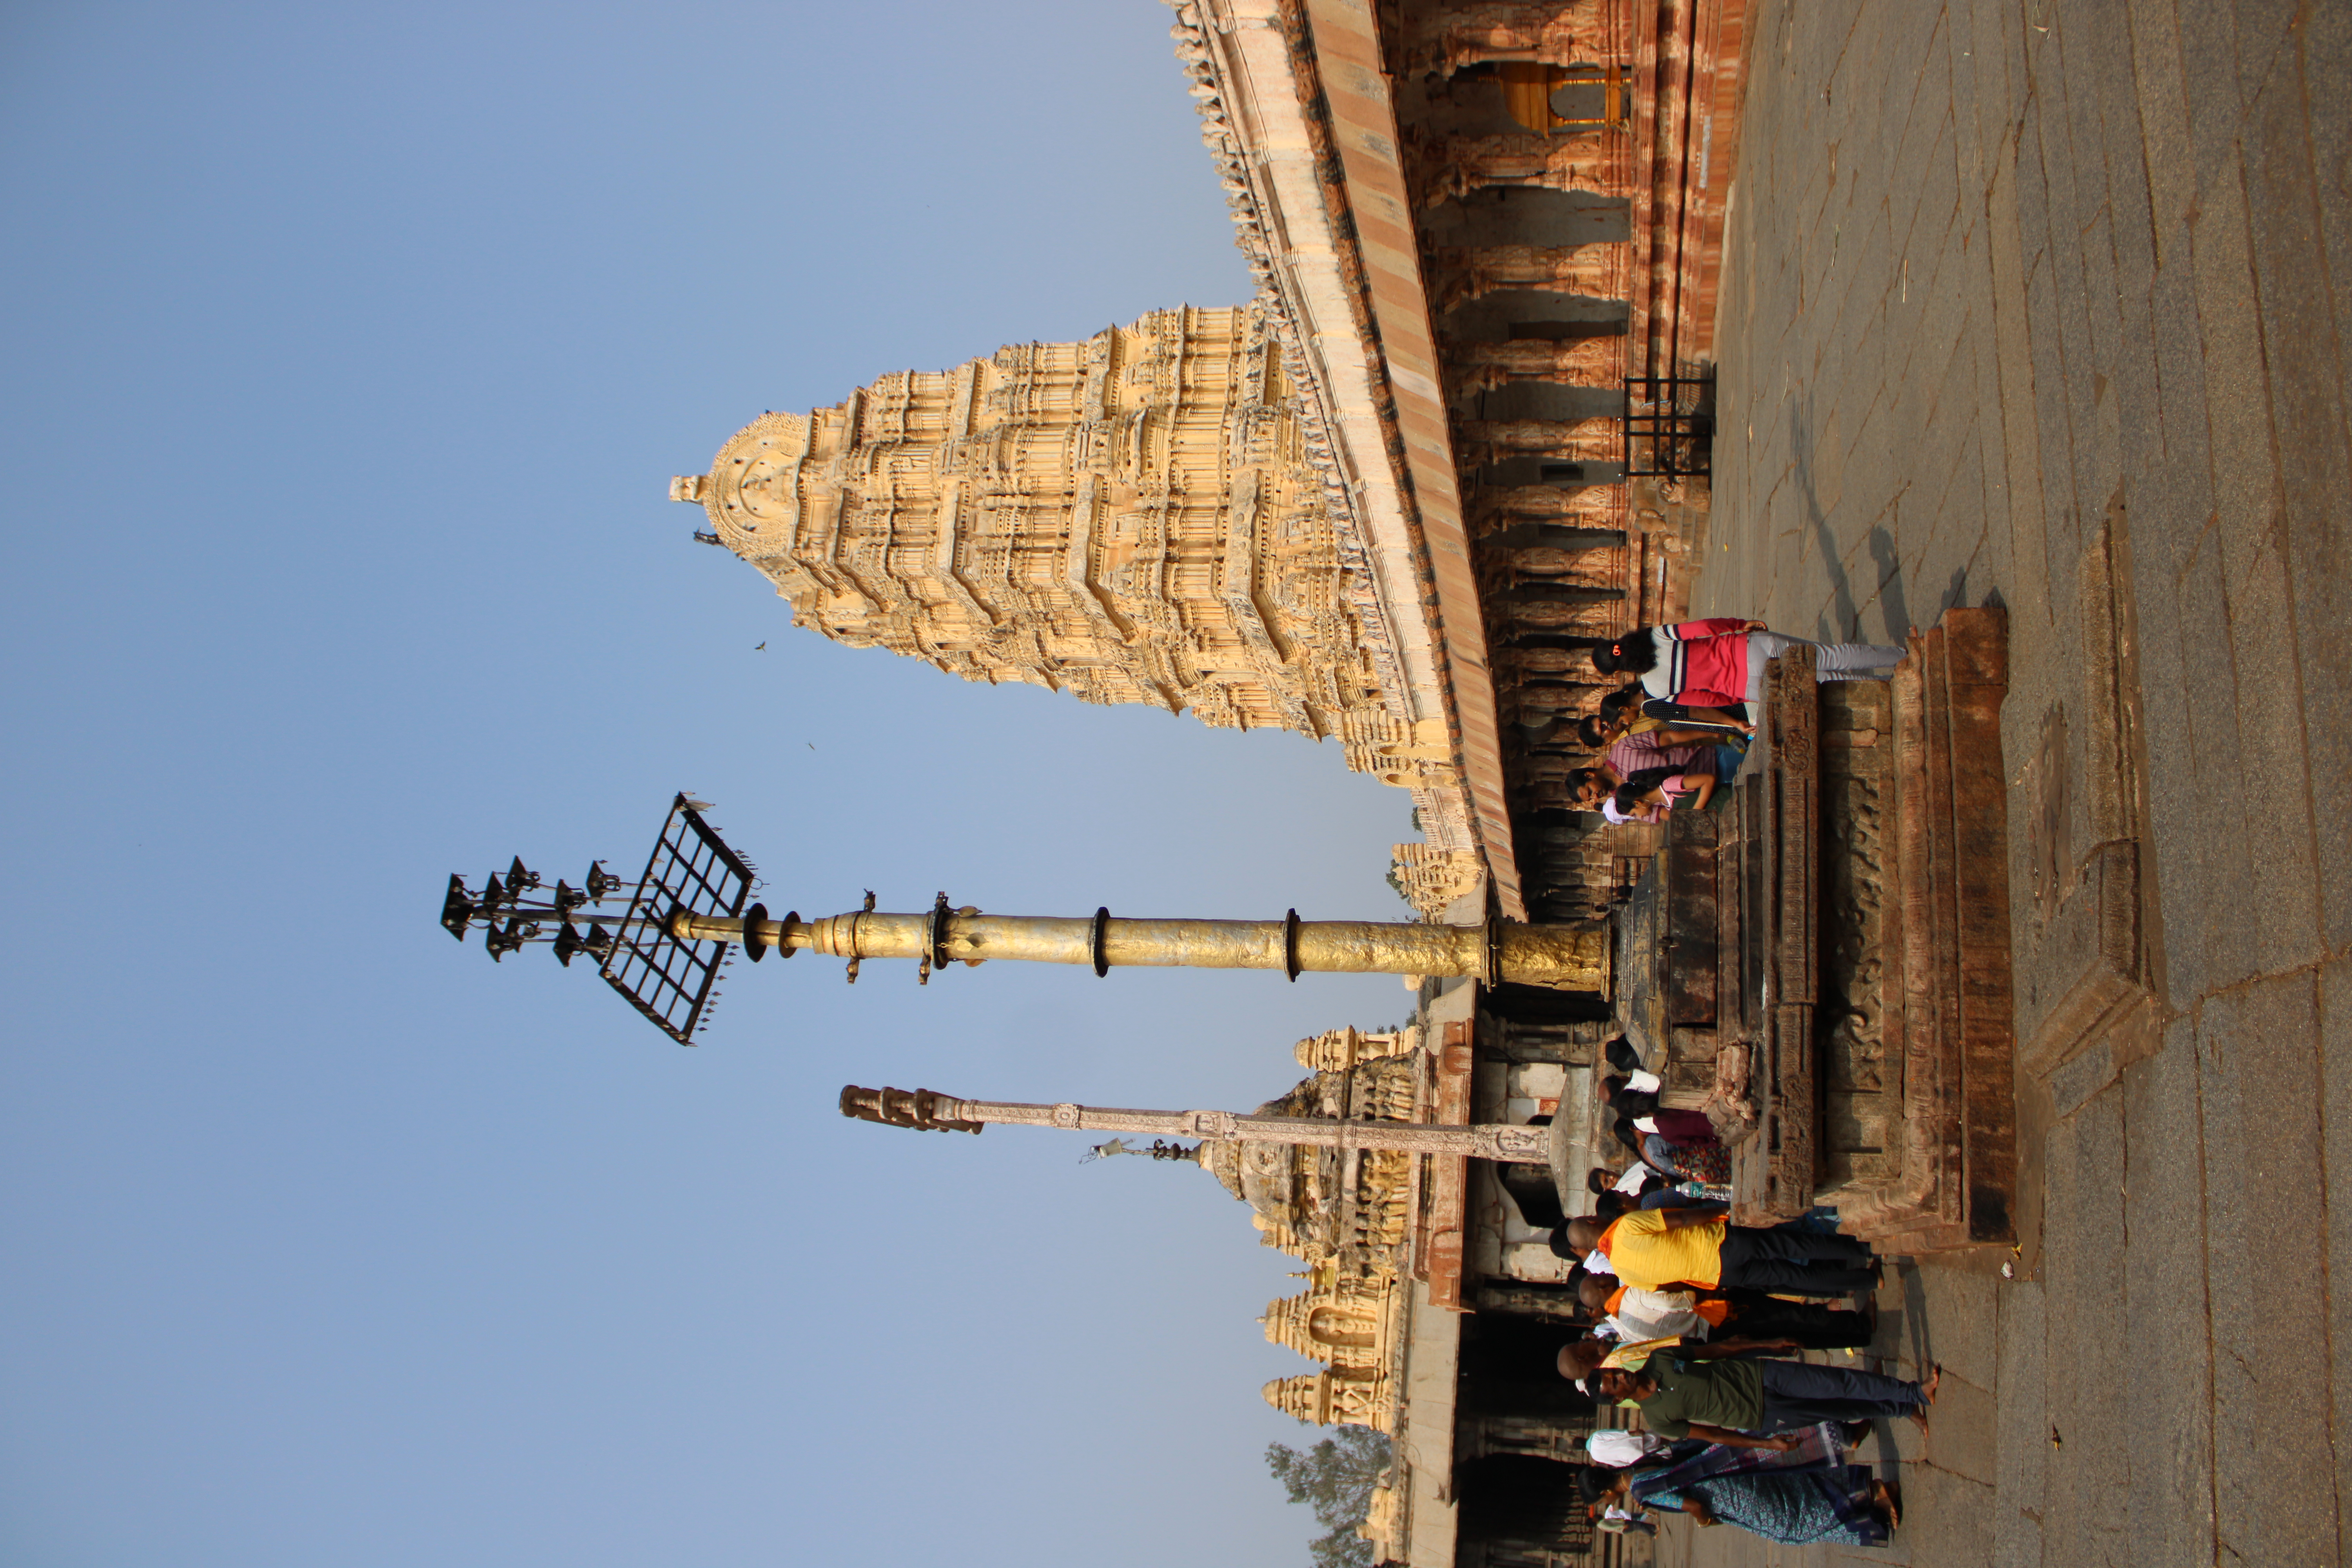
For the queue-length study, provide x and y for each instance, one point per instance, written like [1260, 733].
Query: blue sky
[351, 350]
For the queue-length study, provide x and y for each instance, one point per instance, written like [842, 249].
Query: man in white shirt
[1642, 1314]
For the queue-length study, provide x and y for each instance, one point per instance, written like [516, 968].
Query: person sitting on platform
[1663, 746]
[1693, 1157]
[1635, 1079]
[1630, 710]
[1634, 1183]
[1650, 795]
[1609, 1207]
[1704, 1161]
[1638, 1113]
[1720, 663]
[1594, 788]
[1664, 1248]
[1621, 719]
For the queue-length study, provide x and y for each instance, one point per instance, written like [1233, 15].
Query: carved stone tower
[1131, 519]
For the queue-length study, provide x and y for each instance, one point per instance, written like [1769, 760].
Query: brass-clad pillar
[1566, 957]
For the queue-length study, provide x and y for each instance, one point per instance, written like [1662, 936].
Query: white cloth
[1645, 1124]
[1832, 661]
[1617, 1449]
[1641, 1080]
[1631, 1181]
[1640, 1301]
[1627, 1326]
[1597, 1262]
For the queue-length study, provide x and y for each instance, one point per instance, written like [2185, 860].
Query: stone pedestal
[1834, 964]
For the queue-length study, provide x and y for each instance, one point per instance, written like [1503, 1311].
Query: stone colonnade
[1525, 232]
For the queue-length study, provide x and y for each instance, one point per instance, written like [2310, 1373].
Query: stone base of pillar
[1948, 1027]
[1833, 953]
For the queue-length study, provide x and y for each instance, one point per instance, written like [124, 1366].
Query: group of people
[1680, 726]
[1693, 1320]
[1676, 1152]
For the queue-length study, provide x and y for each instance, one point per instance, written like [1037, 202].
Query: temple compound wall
[1141, 517]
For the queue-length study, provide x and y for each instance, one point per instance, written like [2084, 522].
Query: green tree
[1335, 1477]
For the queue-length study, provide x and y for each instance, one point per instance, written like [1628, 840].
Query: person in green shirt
[1741, 1403]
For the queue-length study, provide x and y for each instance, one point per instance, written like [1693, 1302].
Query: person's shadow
[1894, 605]
[1841, 609]
[1902, 1336]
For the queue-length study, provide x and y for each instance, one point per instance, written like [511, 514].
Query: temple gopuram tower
[1136, 517]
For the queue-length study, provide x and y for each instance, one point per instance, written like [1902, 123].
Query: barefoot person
[1648, 797]
[1794, 1498]
[1691, 1392]
[1665, 1248]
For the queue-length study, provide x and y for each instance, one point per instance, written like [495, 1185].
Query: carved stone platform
[1834, 967]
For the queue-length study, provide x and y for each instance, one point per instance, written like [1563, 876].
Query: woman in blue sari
[1803, 1494]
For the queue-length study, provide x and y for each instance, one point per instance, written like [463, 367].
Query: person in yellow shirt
[1659, 1248]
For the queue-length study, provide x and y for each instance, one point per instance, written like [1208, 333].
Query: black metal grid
[1669, 426]
[690, 868]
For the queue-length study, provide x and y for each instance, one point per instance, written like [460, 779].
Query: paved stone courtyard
[2044, 303]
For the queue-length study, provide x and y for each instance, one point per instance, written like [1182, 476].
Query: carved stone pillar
[1445, 39]
[1590, 506]
[1557, 163]
[1465, 273]
[1594, 440]
[1586, 362]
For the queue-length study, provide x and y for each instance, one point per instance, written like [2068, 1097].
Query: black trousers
[1797, 1394]
[1802, 1262]
[1755, 1316]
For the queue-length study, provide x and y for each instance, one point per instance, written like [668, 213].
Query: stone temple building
[1392, 503]
[1350, 1218]
[1431, 1309]
[1387, 502]
[1143, 517]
